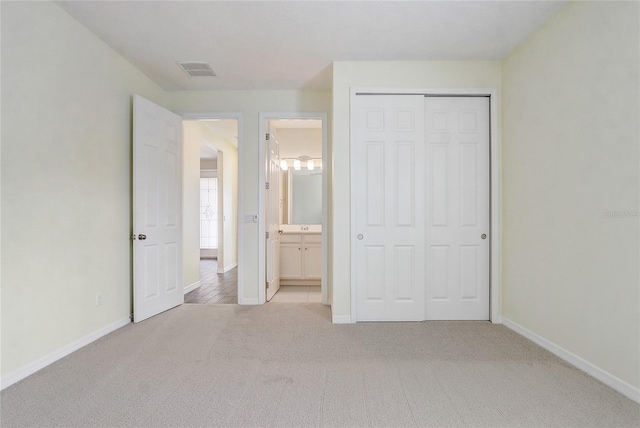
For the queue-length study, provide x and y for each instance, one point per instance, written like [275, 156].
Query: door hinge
[266, 185]
[267, 284]
[267, 137]
[267, 235]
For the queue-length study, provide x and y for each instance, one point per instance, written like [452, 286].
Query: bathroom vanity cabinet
[300, 258]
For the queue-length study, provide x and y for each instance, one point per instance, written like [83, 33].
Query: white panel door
[272, 198]
[388, 203]
[457, 255]
[157, 209]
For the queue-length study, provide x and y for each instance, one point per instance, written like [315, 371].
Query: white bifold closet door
[388, 192]
[457, 259]
[420, 186]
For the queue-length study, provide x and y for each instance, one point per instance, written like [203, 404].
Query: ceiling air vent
[197, 69]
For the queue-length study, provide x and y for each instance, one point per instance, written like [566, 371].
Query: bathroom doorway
[294, 208]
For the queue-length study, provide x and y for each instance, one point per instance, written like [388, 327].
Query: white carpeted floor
[287, 365]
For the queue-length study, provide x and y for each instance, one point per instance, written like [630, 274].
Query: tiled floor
[223, 288]
[215, 287]
[298, 294]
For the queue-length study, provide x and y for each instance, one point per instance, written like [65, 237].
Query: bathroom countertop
[296, 229]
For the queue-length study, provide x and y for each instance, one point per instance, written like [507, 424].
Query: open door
[157, 209]
[272, 209]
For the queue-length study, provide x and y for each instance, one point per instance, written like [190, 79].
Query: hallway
[215, 287]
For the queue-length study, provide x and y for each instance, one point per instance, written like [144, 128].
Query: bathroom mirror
[305, 196]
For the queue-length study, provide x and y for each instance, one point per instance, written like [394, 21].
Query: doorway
[293, 207]
[211, 210]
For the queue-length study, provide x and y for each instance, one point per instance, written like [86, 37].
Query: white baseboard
[245, 301]
[192, 287]
[227, 268]
[603, 376]
[341, 319]
[17, 375]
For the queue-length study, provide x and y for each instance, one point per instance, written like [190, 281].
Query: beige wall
[227, 168]
[296, 142]
[66, 181]
[570, 155]
[409, 75]
[250, 104]
[209, 164]
[190, 204]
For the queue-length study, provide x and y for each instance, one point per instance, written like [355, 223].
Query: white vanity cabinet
[300, 258]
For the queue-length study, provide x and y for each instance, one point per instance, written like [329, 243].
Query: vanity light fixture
[299, 162]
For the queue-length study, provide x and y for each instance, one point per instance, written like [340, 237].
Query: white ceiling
[207, 152]
[291, 44]
[221, 130]
[224, 129]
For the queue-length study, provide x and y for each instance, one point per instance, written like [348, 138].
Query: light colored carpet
[287, 365]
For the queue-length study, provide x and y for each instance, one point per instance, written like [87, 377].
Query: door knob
[360, 236]
[142, 237]
[483, 236]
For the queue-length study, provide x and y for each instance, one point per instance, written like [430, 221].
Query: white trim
[240, 216]
[228, 268]
[205, 116]
[192, 287]
[312, 282]
[247, 301]
[495, 256]
[17, 375]
[494, 172]
[591, 369]
[263, 117]
[341, 319]
[324, 285]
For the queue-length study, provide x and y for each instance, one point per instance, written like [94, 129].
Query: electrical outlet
[98, 299]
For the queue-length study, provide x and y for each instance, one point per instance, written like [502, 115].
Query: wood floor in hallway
[215, 287]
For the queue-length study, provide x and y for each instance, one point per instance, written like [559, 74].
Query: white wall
[250, 104]
[66, 181]
[411, 75]
[570, 155]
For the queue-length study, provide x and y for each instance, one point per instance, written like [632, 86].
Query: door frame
[238, 117]
[495, 203]
[263, 118]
